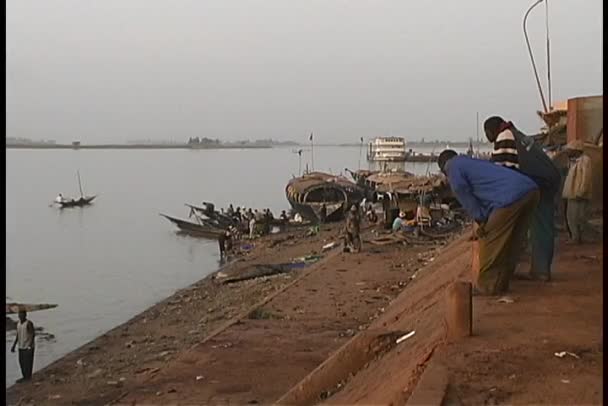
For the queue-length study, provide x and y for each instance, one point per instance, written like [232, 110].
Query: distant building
[386, 149]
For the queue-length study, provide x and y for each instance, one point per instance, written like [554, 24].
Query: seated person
[399, 223]
[371, 215]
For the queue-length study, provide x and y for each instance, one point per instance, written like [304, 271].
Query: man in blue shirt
[501, 201]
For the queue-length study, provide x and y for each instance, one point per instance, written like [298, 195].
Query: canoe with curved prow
[194, 229]
[83, 201]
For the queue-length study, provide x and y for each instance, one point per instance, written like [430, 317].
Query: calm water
[105, 263]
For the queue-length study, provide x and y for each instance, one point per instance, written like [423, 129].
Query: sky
[121, 70]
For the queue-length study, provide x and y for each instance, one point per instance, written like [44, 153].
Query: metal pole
[548, 54]
[540, 89]
[477, 131]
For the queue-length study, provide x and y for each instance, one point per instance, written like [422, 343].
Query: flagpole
[300, 163]
[312, 153]
[360, 150]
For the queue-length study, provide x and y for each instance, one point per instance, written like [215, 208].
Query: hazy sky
[118, 70]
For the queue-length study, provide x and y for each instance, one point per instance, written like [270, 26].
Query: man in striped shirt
[505, 147]
[517, 151]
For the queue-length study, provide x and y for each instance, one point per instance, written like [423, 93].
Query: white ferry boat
[387, 149]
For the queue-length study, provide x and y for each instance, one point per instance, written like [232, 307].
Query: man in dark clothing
[323, 214]
[225, 242]
[268, 218]
[26, 339]
[353, 226]
[500, 201]
[515, 150]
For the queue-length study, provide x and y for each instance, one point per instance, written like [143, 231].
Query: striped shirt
[505, 150]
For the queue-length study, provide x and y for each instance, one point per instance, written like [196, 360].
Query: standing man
[222, 244]
[252, 223]
[353, 227]
[577, 190]
[25, 339]
[513, 149]
[500, 201]
[323, 214]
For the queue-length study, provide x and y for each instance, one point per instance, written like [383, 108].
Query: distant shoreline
[132, 146]
[411, 145]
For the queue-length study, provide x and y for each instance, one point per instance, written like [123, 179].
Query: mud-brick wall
[586, 122]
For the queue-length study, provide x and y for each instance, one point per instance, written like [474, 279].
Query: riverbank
[125, 357]
[253, 341]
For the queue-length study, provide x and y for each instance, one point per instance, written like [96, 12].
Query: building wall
[586, 122]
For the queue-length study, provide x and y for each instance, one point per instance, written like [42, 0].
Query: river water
[105, 263]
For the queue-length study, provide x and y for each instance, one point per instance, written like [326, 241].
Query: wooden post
[475, 265]
[459, 310]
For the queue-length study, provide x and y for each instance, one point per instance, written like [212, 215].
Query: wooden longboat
[215, 218]
[13, 308]
[194, 229]
[306, 195]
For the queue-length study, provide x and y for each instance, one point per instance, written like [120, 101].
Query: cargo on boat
[308, 194]
[401, 191]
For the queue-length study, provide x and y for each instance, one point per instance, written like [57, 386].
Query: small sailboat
[80, 202]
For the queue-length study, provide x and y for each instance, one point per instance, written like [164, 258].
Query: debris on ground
[329, 246]
[405, 337]
[562, 354]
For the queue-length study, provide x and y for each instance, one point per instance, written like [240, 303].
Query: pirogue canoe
[83, 201]
[195, 229]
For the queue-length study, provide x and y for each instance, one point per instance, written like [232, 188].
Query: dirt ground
[163, 348]
[203, 346]
[511, 358]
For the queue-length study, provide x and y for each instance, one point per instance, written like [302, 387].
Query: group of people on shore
[254, 222]
[515, 193]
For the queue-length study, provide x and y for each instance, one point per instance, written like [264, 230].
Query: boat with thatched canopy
[308, 193]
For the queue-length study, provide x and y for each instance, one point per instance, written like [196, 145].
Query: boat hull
[307, 193]
[83, 201]
[13, 308]
[194, 229]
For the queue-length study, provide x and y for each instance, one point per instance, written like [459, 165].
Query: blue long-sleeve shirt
[481, 186]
